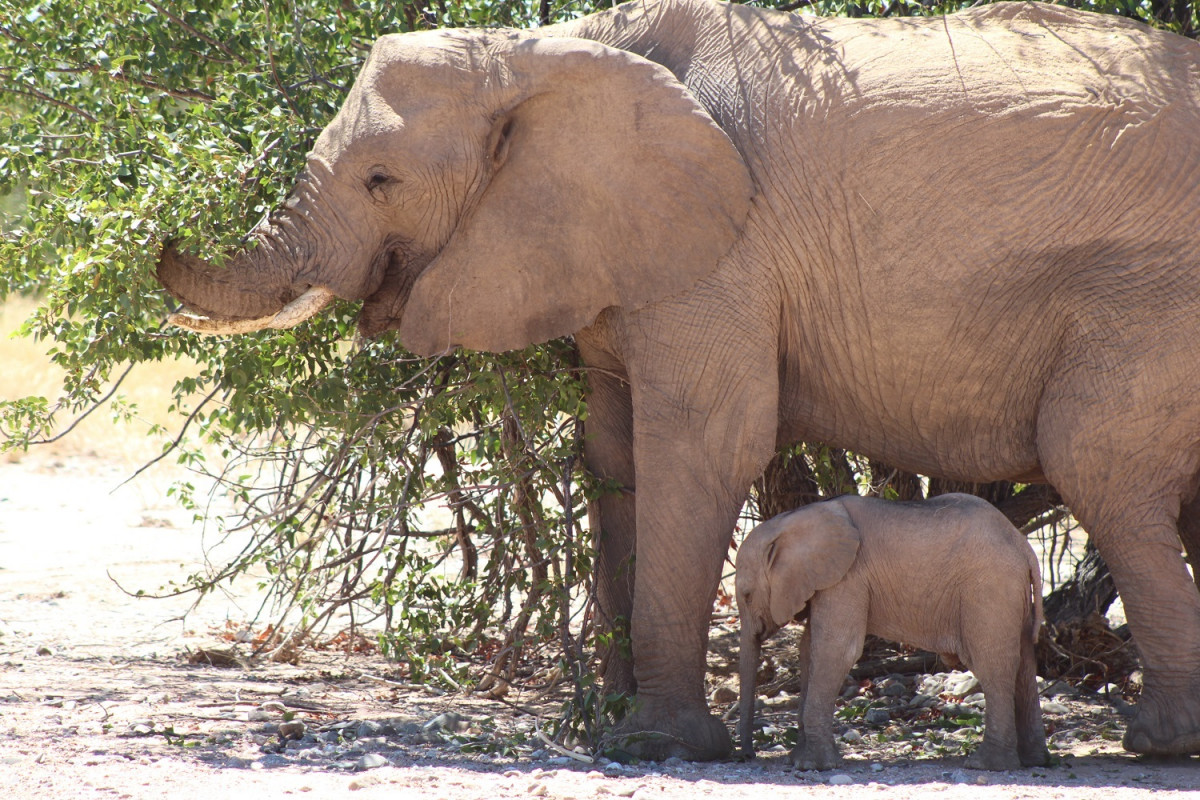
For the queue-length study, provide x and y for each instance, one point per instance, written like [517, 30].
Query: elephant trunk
[748, 657]
[301, 257]
[254, 292]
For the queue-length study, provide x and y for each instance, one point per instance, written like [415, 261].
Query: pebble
[723, 694]
[371, 761]
[962, 685]
[1054, 708]
[877, 768]
[537, 790]
[449, 722]
[294, 729]
[367, 728]
[841, 779]
[878, 716]
[922, 700]
[962, 776]
[851, 735]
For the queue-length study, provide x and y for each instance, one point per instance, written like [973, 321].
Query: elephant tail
[1035, 582]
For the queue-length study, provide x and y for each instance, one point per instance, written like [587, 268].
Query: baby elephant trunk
[748, 654]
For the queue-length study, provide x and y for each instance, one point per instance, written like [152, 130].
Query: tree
[129, 123]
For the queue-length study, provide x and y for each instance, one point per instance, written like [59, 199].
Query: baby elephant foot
[820, 754]
[993, 758]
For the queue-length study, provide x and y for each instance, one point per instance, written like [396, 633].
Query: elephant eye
[378, 179]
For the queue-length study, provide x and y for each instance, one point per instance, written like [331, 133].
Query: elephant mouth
[398, 268]
[291, 315]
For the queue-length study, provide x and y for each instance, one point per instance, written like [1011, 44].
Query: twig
[546, 740]
[29, 92]
[93, 407]
[411, 687]
[174, 444]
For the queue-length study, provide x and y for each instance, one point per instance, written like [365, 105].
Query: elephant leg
[997, 674]
[1164, 616]
[694, 471]
[1189, 534]
[804, 652]
[1130, 507]
[608, 448]
[1031, 731]
[837, 628]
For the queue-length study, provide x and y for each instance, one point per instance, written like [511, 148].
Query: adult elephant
[968, 246]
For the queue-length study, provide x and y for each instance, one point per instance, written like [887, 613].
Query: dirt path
[97, 698]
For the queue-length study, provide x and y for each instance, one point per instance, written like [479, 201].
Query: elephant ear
[615, 188]
[814, 549]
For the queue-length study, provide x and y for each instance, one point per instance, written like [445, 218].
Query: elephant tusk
[301, 308]
[295, 312]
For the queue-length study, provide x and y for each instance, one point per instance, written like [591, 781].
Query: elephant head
[781, 564]
[487, 189]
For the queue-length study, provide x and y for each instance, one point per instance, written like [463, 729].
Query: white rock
[963, 685]
[851, 735]
[841, 779]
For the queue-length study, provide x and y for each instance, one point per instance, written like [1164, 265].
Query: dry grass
[28, 371]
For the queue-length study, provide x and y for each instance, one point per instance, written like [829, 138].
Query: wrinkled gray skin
[950, 575]
[966, 246]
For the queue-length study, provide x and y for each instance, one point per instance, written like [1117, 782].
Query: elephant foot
[996, 759]
[1034, 756]
[652, 733]
[1165, 725]
[819, 754]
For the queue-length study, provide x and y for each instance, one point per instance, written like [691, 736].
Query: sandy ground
[98, 699]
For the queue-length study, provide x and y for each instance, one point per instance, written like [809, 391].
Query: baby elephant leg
[837, 628]
[998, 751]
[1031, 731]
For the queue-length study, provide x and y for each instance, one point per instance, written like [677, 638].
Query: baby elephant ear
[612, 186]
[814, 549]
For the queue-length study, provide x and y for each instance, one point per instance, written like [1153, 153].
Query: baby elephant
[949, 574]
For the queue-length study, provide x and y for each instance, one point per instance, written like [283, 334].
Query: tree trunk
[1089, 591]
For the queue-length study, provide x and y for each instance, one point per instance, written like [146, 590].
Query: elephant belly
[975, 438]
